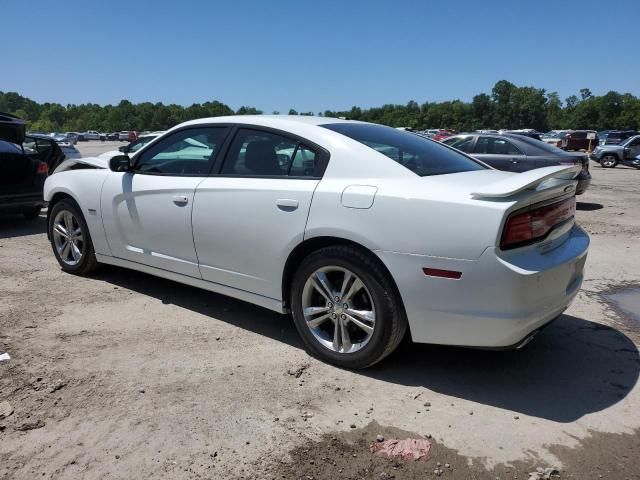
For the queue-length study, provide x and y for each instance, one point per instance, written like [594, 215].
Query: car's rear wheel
[70, 238]
[346, 308]
[32, 213]
[609, 161]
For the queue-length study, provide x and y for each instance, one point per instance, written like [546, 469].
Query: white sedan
[361, 231]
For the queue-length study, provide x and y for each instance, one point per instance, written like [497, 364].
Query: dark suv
[25, 162]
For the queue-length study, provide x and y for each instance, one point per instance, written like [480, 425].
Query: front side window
[420, 155]
[186, 152]
[496, 146]
[256, 153]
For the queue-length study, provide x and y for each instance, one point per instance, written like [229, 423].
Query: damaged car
[364, 234]
[25, 162]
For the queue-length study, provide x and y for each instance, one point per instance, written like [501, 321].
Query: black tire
[32, 213]
[609, 161]
[390, 318]
[88, 262]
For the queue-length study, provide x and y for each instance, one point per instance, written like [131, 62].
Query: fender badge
[568, 188]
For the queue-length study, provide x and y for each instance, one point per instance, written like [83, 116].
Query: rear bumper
[501, 297]
[19, 202]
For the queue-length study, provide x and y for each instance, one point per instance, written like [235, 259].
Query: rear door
[500, 153]
[250, 215]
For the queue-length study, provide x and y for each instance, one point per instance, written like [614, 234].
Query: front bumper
[501, 297]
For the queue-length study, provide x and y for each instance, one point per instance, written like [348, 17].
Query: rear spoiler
[530, 180]
[12, 128]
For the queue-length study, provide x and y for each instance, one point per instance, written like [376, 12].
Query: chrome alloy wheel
[608, 161]
[338, 309]
[68, 238]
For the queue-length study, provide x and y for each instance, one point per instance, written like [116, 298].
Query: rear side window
[496, 146]
[257, 153]
[420, 155]
[461, 143]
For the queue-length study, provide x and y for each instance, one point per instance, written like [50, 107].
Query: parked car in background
[516, 153]
[525, 133]
[614, 137]
[133, 147]
[128, 136]
[25, 161]
[362, 231]
[64, 138]
[578, 140]
[93, 135]
[609, 156]
[442, 134]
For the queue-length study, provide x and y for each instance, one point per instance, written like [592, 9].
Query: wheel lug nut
[330, 305]
[335, 315]
[343, 316]
[345, 306]
[337, 299]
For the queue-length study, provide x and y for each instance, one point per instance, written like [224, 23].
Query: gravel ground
[123, 375]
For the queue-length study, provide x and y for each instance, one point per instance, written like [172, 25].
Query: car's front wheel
[609, 161]
[70, 238]
[346, 308]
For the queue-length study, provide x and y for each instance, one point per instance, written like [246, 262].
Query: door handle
[287, 204]
[515, 160]
[180, 200]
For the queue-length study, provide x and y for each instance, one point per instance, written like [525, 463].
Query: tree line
[507, 106]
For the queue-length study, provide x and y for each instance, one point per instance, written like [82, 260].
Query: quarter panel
[84, 186]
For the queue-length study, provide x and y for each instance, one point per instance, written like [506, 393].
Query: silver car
[625, 153]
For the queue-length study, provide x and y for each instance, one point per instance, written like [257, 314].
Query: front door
[249, 217]
[147, 212]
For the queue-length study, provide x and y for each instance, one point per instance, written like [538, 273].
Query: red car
[442, 134]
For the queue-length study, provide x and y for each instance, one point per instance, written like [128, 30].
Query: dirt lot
[123, 375]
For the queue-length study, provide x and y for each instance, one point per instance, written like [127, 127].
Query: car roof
[270, 120]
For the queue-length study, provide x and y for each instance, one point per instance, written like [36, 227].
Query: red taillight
[43, 168]
[526, 227]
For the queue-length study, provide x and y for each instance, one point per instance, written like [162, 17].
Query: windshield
[420, 155]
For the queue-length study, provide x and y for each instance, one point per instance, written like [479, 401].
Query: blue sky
[313, 55]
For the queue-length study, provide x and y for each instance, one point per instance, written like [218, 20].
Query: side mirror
[120, 163]
[124, 149]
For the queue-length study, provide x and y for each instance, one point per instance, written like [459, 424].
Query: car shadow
[572, 368]
[588, 206]
[17, 226]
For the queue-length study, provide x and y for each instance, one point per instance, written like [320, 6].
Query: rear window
[420, 155]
